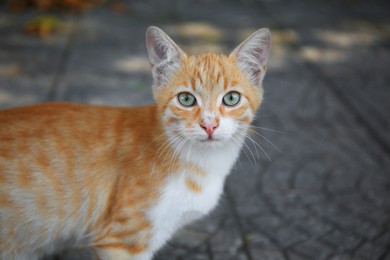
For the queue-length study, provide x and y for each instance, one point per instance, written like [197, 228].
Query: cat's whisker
[163, 146]
[172, 160]
[161, 136]
[258, 145]
[231, 151]
[276, 147]
[242, 133]
[268, 129]
[176, 154]
[166, 144]
[262, 136]
[238, 143]
[158, 137]
[169, 144]
[257, 152]
[254, 159]
[189, 152]
[246, 135]
[164, 134]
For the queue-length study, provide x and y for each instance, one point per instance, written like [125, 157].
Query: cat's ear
[252, 55]
[164, 55]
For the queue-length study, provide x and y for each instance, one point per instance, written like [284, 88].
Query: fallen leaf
[118, 7]
[42, 26]
[9, 70]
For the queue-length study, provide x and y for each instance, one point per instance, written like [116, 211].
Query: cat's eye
[231, 99]
[187, 99]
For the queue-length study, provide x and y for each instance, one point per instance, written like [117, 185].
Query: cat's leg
[122, 252]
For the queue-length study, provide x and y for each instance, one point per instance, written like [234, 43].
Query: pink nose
[209, 128]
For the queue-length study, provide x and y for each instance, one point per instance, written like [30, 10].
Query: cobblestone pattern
[326, 195]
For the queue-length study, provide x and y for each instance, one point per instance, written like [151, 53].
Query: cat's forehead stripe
[209, 71]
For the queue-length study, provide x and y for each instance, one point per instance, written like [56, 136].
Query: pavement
[321, 190]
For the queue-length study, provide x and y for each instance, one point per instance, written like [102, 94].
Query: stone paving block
[287, 236]
[350, 223]
[312, 249]
[386, 256]
[188, 238]
[314, 227]
[196, 257]
[259, 240]
[342, 256]
[295, 256]
[261, 253]
[228, 240]
[170, 252]
[383, 239]
[341, 241]
[246, 173]
[227, 256]
[173, 252]
[370, 251]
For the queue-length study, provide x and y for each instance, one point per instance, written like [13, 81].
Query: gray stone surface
[326, 195]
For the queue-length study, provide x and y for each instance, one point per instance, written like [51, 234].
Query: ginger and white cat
[123, 180]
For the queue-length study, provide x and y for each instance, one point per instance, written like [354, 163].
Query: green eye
[232, 98]
[187, 99]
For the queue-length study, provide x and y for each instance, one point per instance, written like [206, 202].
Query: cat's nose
[209, 127]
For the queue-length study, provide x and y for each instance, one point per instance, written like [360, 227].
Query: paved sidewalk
[327, 96]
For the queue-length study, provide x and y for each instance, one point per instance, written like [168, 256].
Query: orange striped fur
[74, 175]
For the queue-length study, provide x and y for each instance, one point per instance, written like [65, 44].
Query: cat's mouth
[210, 140]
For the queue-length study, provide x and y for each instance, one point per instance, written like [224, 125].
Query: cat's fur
[123, 180]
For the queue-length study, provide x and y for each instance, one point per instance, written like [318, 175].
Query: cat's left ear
[252, 55]
[164, 55]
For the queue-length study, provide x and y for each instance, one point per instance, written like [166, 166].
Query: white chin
[210, 140]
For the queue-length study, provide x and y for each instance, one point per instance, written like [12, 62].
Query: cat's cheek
[246, 120]
[226, 129]
[244, 116]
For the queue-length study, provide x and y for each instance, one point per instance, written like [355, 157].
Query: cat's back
[45, 110]
[42, 131]
[66, 114]
[21, 122]
[58, 163]
[61, 134]
[70, 120]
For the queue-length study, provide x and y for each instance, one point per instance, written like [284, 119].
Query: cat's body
[123, 180]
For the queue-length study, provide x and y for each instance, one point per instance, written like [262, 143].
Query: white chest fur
[180, 205]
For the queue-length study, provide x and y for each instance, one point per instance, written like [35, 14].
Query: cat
[122, 180]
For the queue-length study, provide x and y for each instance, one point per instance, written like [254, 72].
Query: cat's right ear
[164, 55]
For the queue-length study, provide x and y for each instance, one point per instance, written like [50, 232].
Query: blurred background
[319, 186]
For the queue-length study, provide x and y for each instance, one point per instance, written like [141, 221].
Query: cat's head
[208, 99]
